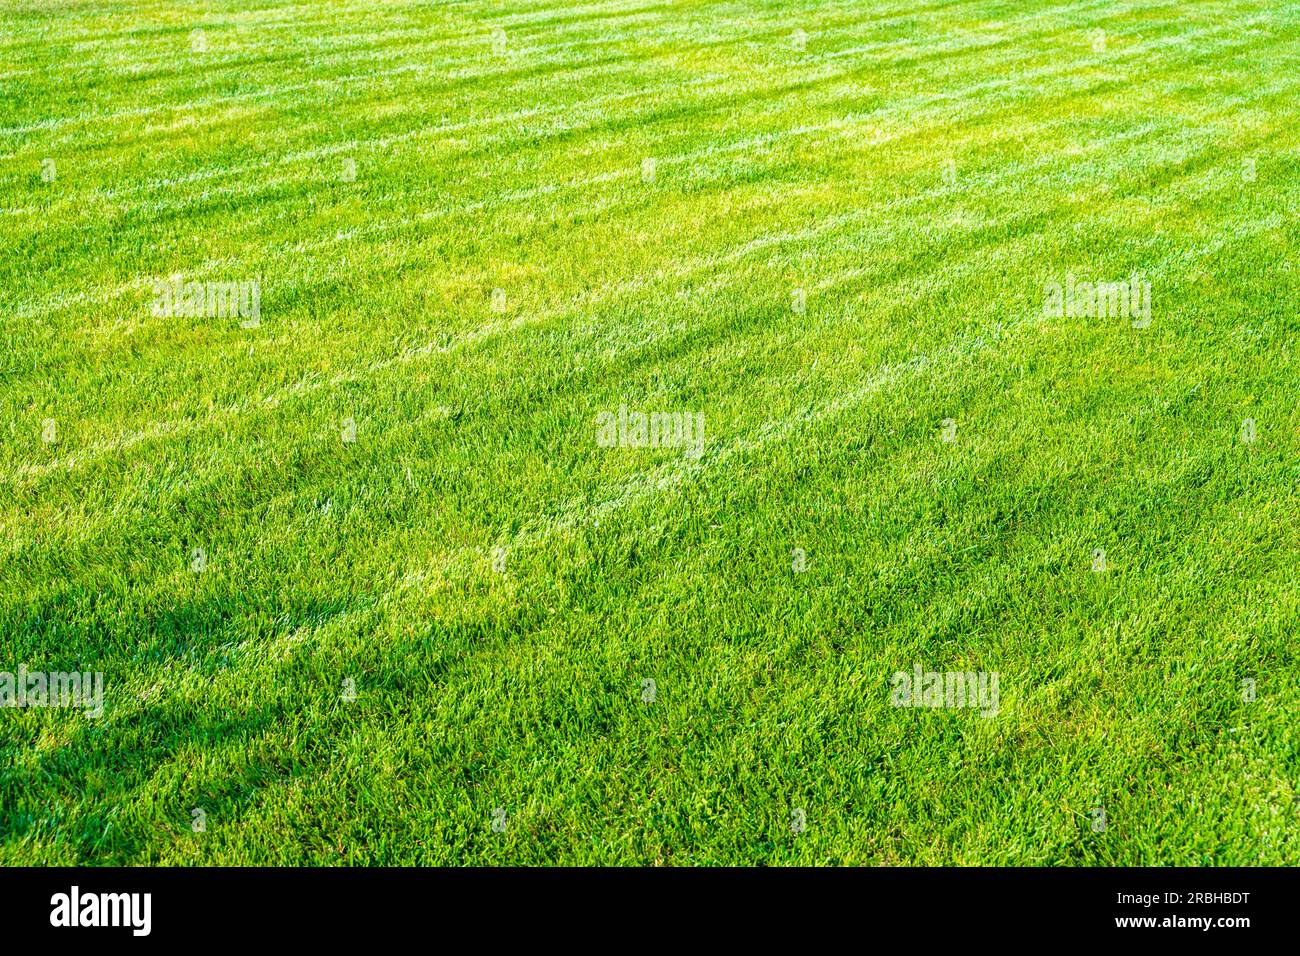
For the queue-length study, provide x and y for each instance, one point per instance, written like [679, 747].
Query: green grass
[777, 169]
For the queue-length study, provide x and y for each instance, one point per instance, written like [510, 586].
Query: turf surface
[366, 585]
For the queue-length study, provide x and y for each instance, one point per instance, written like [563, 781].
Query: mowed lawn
[367, 585]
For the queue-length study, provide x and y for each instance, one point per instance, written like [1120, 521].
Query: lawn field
[525, 432]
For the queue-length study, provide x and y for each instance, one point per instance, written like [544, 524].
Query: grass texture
[366, 586]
